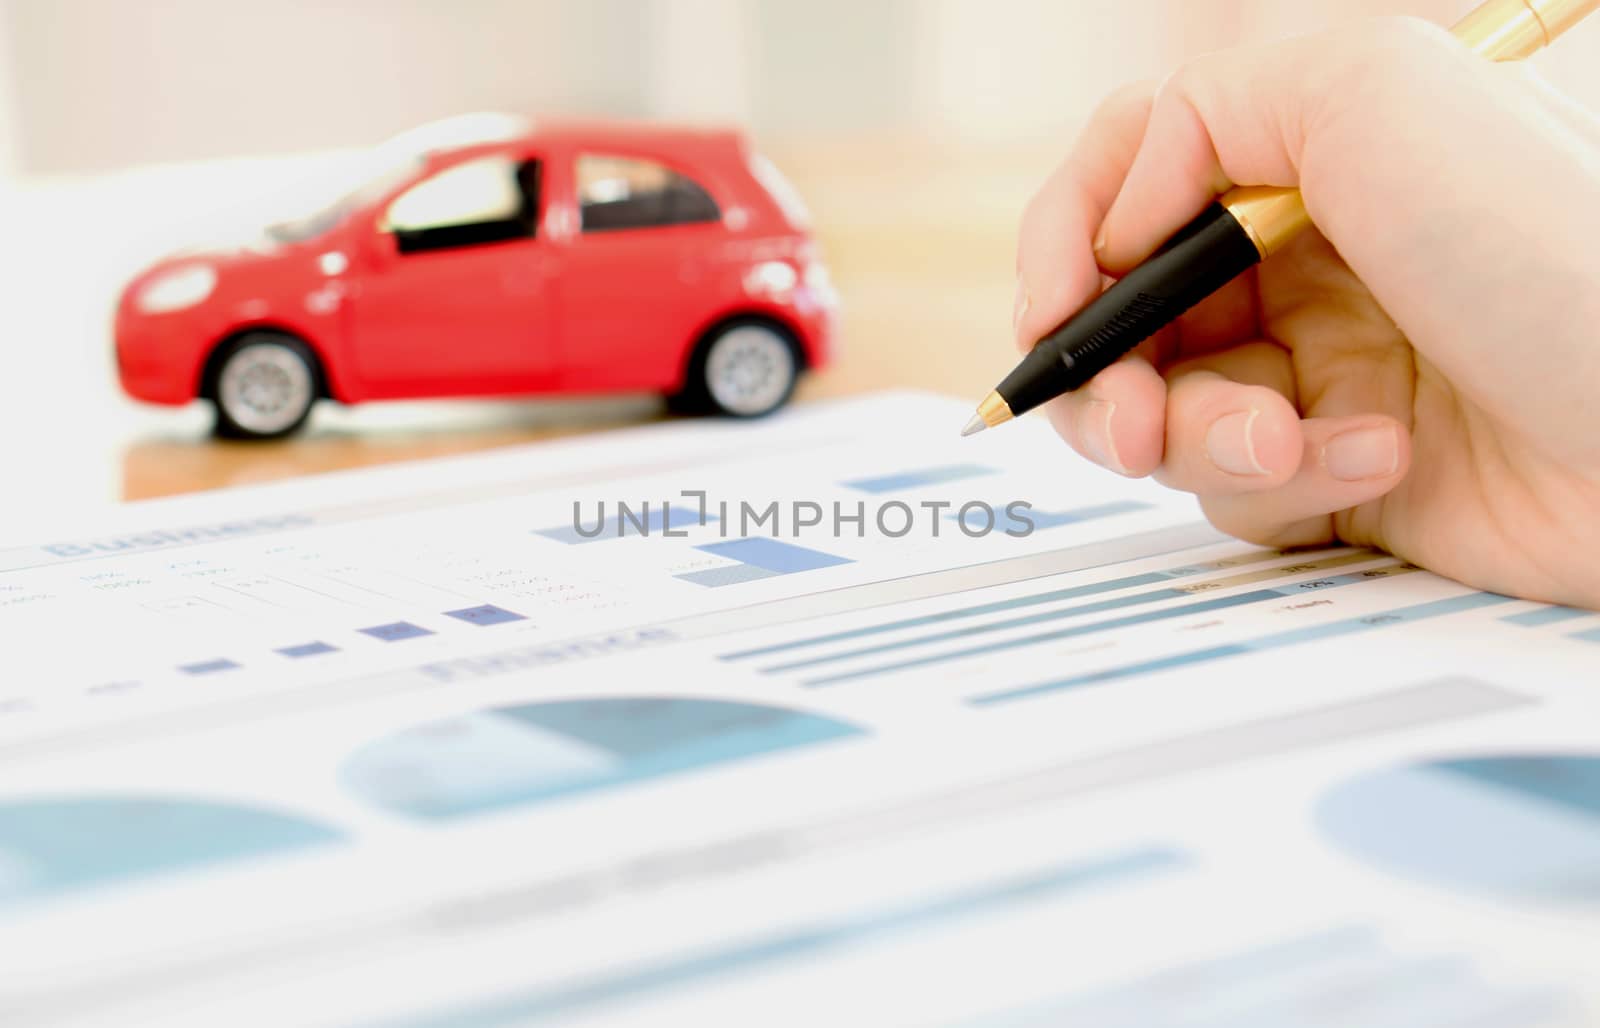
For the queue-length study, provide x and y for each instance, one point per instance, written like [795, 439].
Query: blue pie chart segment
[52, 846]
[514, 756]
[1522, 827]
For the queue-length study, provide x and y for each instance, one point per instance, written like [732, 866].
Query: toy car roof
[487, 128]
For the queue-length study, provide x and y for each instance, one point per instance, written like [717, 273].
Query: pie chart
[1518, 826]
[513, 756]
[50, 846]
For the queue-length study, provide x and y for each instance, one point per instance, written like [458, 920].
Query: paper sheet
[408, 746]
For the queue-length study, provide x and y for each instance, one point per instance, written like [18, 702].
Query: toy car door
[456, 298]
[634, 282]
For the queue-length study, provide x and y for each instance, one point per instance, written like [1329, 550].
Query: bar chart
[978, 610]
[895, 646]
[1182, 590]
[483, 615]
[1263, 644]
[250, 614]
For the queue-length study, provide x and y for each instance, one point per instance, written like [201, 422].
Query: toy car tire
[745, 369]
[263, 386]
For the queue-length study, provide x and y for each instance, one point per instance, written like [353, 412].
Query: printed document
[829, 718]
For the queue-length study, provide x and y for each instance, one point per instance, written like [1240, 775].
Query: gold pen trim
[1557, 16]
[994, 410]
[1510, 30]
[1269, 215]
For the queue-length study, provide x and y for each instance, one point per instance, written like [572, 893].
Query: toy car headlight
[177, 289]
[771, 277]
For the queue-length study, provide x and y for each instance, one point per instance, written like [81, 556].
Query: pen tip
[976, 425]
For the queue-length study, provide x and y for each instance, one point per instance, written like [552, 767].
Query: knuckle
[1193, 80]
[1383, 53]
[1179, 87]
[1129, 98]
[1189, 109]
[1359, 77]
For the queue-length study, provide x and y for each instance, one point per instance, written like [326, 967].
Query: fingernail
[1230, 443]
[1094, 434]
[1362, 453]
[1100, 240]
[1019, 306]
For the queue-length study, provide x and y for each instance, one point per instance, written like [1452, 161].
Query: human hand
[1419, 372]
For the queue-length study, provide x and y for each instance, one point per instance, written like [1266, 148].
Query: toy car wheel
[748, 369]
[264, 387]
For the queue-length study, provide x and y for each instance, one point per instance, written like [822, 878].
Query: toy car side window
[488, 200]
[627, 192]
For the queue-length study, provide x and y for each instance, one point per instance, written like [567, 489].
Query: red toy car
[578, 257]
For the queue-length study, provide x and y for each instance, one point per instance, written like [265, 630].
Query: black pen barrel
[1204, 256]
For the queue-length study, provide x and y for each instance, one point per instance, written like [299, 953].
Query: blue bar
[1402, 615]
[1545, 616]
[917, 479]
[1588, 635]
[1113, 674]
[1278, 640]
[1000, 606]
[395, 631]
[206, 667]
[310, 649]
[807, 943]
[970, 612]
[615, 526]
[1221, 603]
[1100, 607]
[484, 614]
[771, 555]
[1204, 606]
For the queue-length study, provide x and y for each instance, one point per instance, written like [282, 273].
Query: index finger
[1057, 272]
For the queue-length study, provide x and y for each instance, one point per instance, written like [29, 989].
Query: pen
[1232, 235]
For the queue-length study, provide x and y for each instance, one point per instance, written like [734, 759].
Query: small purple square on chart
[395, 631]
[485, 614]
[207, 667]
[310, 649]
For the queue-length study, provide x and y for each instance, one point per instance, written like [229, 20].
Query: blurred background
[916, 130]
